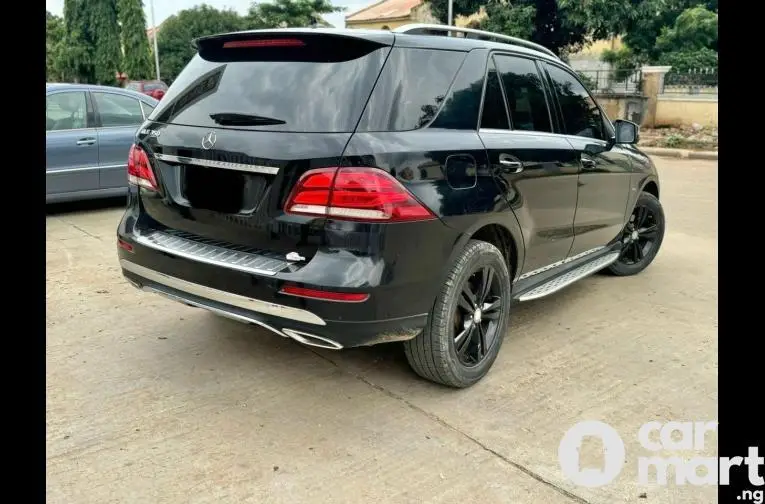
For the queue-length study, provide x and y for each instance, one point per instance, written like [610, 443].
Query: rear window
[153, 86]
[319, 87]
[135, 86]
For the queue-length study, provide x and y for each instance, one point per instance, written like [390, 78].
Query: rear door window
[320, 86]
[525, 93]
[117, 110]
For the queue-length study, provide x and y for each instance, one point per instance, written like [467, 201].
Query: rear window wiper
[234, 119]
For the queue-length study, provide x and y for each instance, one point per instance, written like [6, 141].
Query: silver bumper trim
[228, 298]
[211, 252]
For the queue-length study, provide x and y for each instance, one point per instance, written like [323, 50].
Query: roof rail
[429, 29]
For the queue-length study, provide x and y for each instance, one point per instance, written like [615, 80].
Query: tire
[433, 354]
[628, 263]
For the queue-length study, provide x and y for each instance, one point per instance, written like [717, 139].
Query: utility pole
[449, 21]
[154, 36]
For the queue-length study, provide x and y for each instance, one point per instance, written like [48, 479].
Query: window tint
[320, 88]
[525, 94]
[581, 115]
[494, 113]
[65, 111]
[147, 109]
[461, 108]
[118, 110]
[411, 89]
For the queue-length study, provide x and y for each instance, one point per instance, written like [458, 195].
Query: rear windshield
[272, 89]
[135, 86]
[152, 86]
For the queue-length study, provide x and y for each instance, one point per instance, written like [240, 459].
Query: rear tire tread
[429, 353]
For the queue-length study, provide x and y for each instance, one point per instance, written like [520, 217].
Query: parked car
[371, 186]
[154, 88]
[88, 133]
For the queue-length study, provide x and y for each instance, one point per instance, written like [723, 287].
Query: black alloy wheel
[476, 316]
[641, 238]
[468, 321]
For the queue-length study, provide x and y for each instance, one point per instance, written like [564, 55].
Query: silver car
[88, 132]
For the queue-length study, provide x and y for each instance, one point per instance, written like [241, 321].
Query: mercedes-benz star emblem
[208, 141]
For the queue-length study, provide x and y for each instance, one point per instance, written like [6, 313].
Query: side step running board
[559, 282]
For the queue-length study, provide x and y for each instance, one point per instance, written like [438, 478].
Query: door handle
[588, 163]
[510, 166]
[86, 141]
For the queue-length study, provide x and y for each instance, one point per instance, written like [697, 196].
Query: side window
[65, 111]
[147, 109]
[118, 110]
[525, 94]
[411, 89]
[581, 115]
[494, 113]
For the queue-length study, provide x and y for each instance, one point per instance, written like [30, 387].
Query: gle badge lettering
[656, 437]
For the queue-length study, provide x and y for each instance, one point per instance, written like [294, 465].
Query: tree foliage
[640, 22]
[54, 40]
[440, 8]
[545, 22]
[135, 44]
[174, 40]
[289, 13]
[105, 36]
[76, 53]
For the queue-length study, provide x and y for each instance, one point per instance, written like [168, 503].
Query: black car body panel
[431, 113]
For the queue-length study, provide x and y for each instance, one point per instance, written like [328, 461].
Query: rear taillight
[343, 297]
[360, 194]
[139, 169]
[236, 44]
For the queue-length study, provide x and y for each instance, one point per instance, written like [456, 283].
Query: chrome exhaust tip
[312, 340]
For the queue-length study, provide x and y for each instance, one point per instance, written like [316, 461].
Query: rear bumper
[400, 293]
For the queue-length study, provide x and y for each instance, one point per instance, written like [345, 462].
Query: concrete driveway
[149, 401]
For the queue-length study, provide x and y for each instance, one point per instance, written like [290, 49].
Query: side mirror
[627, 132]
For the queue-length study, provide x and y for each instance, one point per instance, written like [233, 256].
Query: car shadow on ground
[387, 358]
[72, 207]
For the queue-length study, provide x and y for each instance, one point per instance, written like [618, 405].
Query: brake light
[139, 169]
[347, 297]
[124, 245]
[360, 194]
[238, 44]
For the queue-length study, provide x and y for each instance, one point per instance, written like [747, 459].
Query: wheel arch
[651, 186]
[501, 232]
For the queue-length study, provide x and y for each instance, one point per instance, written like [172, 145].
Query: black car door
[538, 167]
[604, 180]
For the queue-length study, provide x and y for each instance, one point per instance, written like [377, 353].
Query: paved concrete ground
[150, 401]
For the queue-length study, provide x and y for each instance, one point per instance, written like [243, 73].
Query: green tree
[54, 39]
[135, 44]
[440, 8]
[105, 35]
[639, 22]
[546, 22]
[76, 54]
[289, 13]
[174, 40]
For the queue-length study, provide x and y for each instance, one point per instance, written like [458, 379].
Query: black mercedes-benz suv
[349, 187]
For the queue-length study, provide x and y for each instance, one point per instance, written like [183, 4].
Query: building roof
[386, 9]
